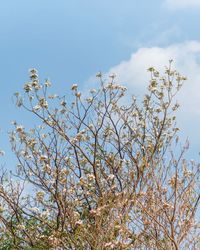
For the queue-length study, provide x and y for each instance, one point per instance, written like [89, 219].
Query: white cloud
[177, 4]
[186, 56]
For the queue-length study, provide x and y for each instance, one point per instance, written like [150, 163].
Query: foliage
[104, 175]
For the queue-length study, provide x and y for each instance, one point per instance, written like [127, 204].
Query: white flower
[19, 128]
[74, 87]
[47, 169]
[34, 210]
[67, 159]
[33, 71]
[113, 75]
[91, 126]
[81, 136]
[27, 87]
[79, 223]
[40, 195]
[111, 177]
[76, 215]
[78, 94]
[156, 74]
[1, 209]
[20, 227]
[37, 107]
[89, 99]
[52, 96]
[91, 177]
[2, 153]
[73, 140]
[36, 85]
[63, 103]
[167, 205]
[93, 91]
[110, 245]
[99, 74]
[45, 214]
[43, 103]
[43, 157]
[47, 83]
[93, 212]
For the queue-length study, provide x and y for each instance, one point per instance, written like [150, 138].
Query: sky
[68, 41]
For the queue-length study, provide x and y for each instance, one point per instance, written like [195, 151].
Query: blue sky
[70, 40]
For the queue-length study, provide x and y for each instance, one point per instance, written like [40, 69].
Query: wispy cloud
[179, 4]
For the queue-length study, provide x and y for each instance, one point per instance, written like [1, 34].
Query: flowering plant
[104, 175]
